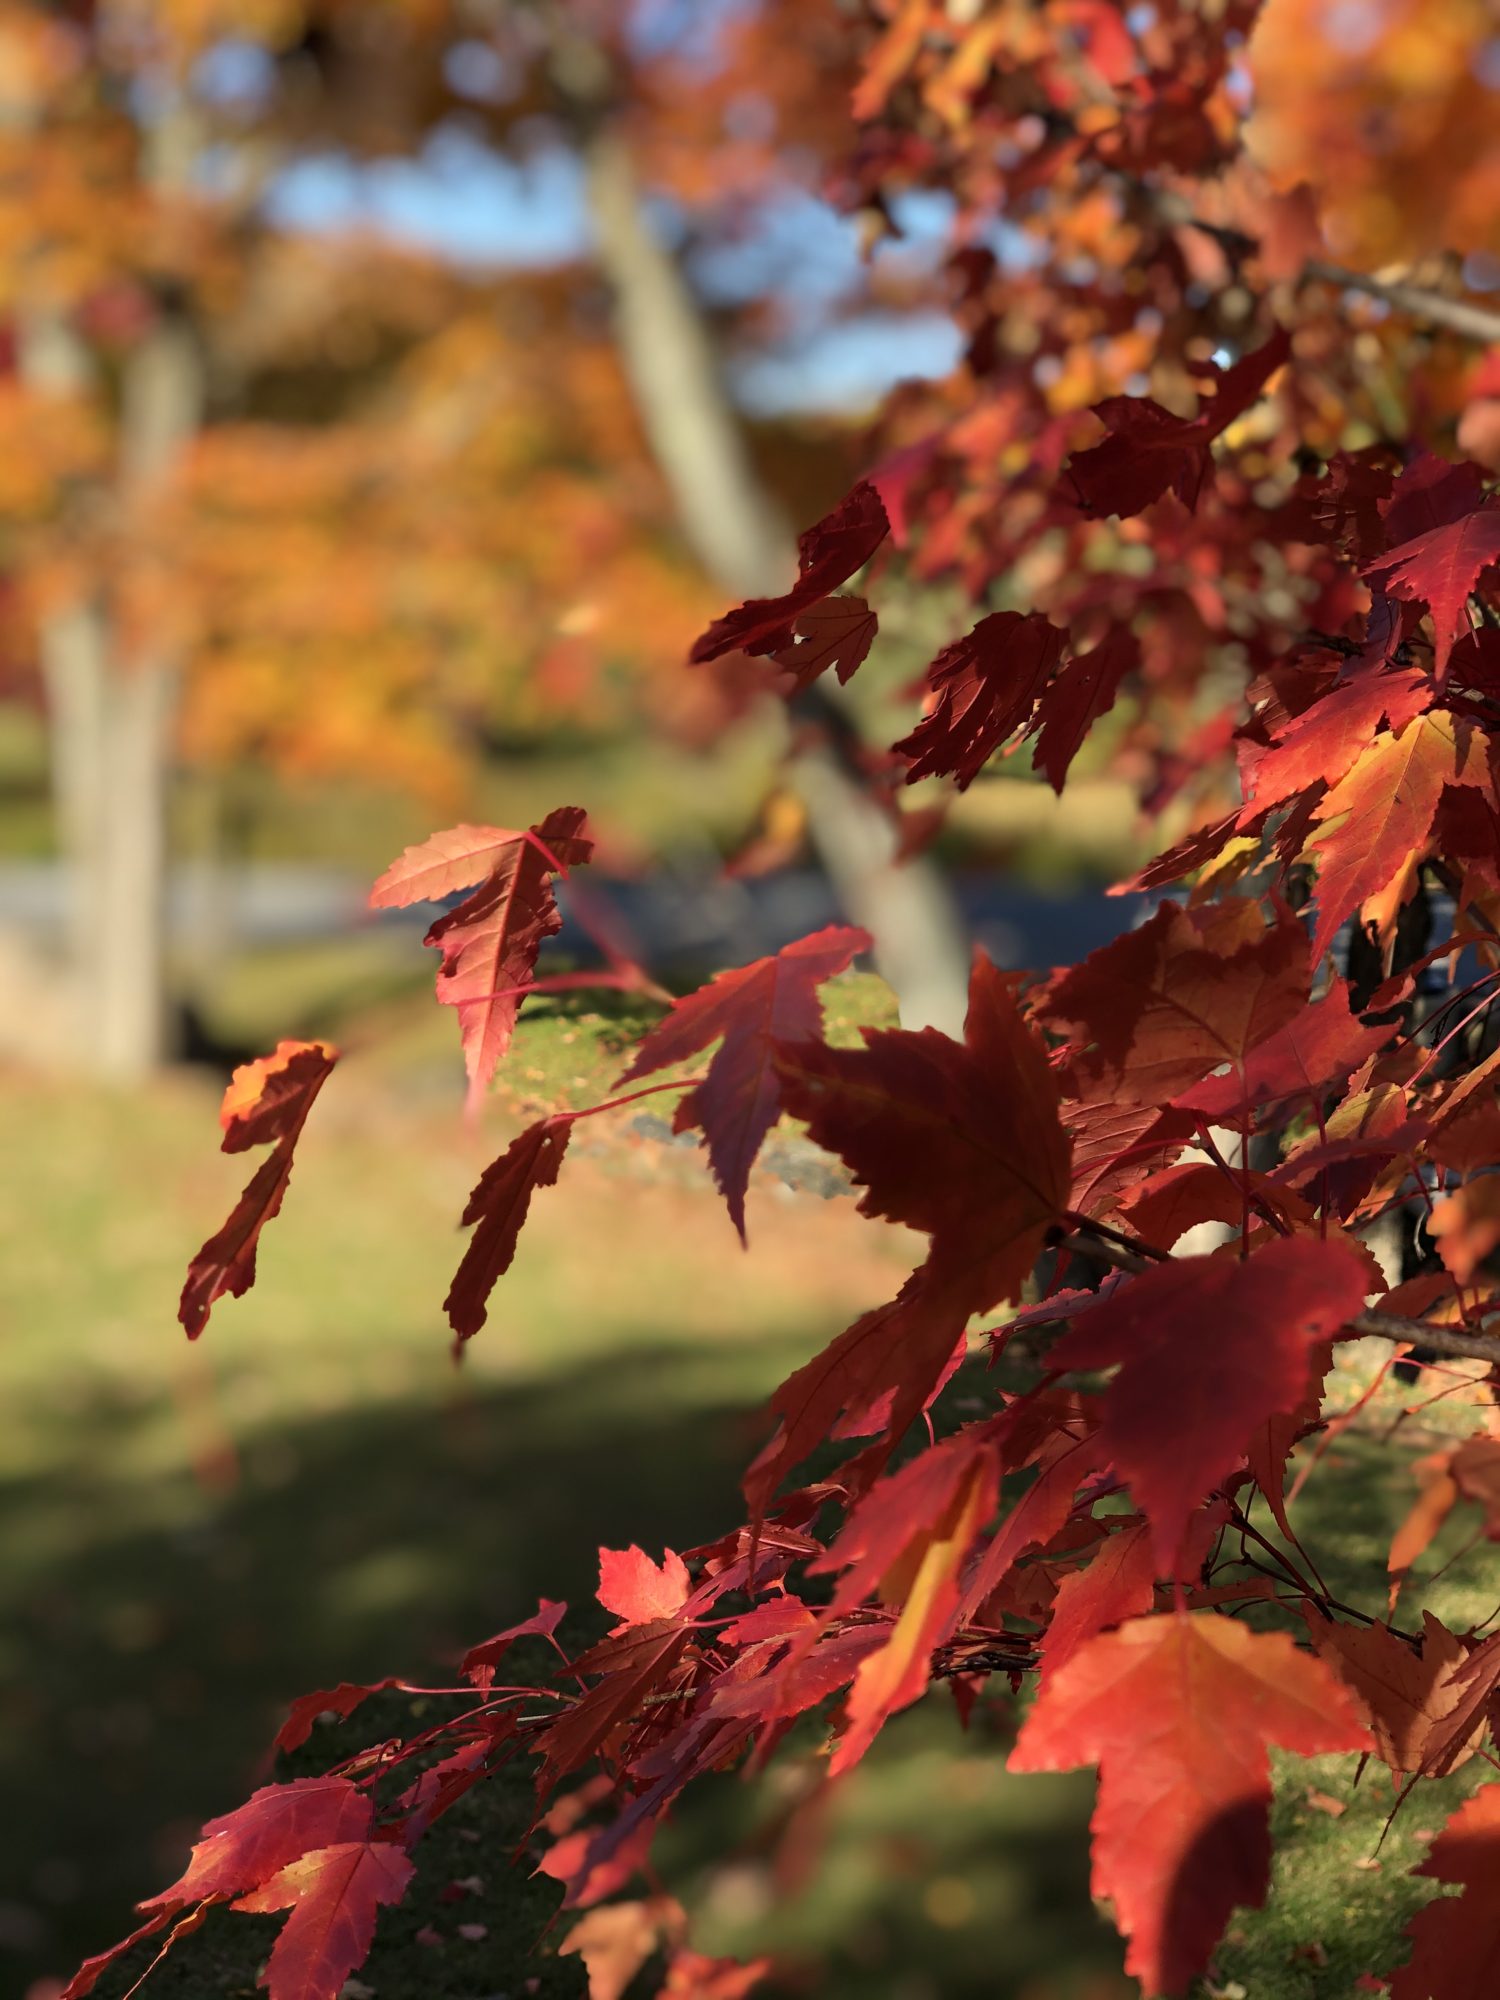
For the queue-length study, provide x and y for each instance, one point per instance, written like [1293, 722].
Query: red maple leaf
[267, 1103]
[334, 1895]
[1429, 492]
[828, 554]
[1084, 690]
[906, 1543]
[490, 942]
[479, 1662]
[1181, 1197]
[887, 1363]
[837, 633]
[1375, 822]
[1320, 1046]
[959, 1140]
[1456, 1939]
[342, 1700]
[458, 858]
[1117, 1582]
[1409, 1695]
[638, 1590]
[276, 1825]
[747, 1011]
[982, 688]
[1208, 1348]
[1439, 569]
[497, 1208]
[1189, 991]
[1177, 1712]
[1149, 452]
[1318, 746]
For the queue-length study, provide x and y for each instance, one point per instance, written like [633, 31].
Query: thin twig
[1436, 308]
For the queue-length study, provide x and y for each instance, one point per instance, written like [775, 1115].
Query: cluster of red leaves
[1254, 1061]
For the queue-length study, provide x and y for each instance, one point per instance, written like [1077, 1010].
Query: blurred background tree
[285, 490]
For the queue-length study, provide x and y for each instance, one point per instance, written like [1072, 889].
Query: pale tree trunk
[737, 533]
[111, 718]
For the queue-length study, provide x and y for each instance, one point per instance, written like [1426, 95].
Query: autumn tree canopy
[1201, 465]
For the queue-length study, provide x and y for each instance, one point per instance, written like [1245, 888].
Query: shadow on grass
[154, 1667]
[151, 1668]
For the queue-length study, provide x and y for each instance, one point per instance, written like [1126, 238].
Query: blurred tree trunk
[737, 532]
[111, 717]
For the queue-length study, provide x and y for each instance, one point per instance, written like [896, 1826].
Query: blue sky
[468, 203]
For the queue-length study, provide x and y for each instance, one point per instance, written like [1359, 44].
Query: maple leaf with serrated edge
[1321, 1046]
[828, 554]
[496, 1210]
[459, 858]
[1177, 1711]
[342, 1701]
[491, 940]
[1188, 856]
[837, 633]
[1084, 690]
[1149, 452]
[905, 1542]
[982, 689]
[239, 1850]
[747, 1011]
[1207, 1348]
[1407, 1693]
[334, 1895]
[1440, 569]
[1187, 992]
[639, 1590]
[1117, 1583]
[1181, 1197]
[890, 1360]
[961, 1140]
[1456, 1939]
[1378, 817]
[1319, 745]
[266, 1104]
[479, 1662]
[275, 1826]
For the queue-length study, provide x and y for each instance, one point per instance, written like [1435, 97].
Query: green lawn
[191, 1535]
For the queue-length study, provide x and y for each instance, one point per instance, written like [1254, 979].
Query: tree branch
[1419, 302]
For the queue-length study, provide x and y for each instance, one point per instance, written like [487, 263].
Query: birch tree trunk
[733, 526]
[110, 718]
